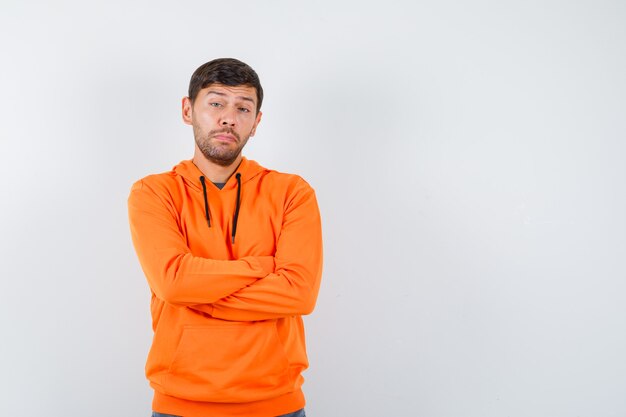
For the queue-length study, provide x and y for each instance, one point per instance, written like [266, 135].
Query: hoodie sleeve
[174, 274]
[292, 289]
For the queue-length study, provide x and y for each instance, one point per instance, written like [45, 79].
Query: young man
[233, 255]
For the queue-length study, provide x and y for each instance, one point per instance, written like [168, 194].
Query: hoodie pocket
[233, 362]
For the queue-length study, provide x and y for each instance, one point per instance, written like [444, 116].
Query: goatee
[219, 153]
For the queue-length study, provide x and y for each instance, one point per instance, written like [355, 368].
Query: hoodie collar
[191, 173]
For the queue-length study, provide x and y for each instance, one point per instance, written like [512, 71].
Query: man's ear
[187, 110]
[256, 123]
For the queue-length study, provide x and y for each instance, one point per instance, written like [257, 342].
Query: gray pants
[299, 413]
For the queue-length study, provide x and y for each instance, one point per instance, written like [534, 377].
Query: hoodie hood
[191, 173]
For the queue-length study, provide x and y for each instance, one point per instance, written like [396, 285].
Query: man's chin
[220, 153]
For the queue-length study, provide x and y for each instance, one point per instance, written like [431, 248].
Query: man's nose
[228, 118]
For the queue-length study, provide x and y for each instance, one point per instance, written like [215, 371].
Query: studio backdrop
[468, 162]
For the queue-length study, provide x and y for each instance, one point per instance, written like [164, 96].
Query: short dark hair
[227, 71]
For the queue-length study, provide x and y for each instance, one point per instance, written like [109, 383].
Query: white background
[468, 158]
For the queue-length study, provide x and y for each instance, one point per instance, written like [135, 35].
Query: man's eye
[214, 104]
[244, 110]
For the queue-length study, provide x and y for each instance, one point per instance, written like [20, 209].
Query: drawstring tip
[233, 241]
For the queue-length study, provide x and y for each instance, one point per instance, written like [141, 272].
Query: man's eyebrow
[247, 98]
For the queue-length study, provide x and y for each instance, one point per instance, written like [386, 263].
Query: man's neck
[212, 171]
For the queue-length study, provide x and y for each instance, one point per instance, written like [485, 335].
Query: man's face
[223, 119]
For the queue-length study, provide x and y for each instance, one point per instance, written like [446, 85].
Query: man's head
[223, 107]
[225, 71]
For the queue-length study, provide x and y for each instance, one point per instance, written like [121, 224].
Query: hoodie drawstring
[206, 202]
[236, 217]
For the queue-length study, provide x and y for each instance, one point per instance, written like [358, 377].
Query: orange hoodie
[231, 273]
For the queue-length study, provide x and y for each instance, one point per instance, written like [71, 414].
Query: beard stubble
[219, 153]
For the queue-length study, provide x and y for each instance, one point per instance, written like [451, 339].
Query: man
[233, 255]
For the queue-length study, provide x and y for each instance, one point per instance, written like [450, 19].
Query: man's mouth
[225, 137]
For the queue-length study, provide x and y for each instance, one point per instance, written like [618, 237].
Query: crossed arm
[247, 289]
